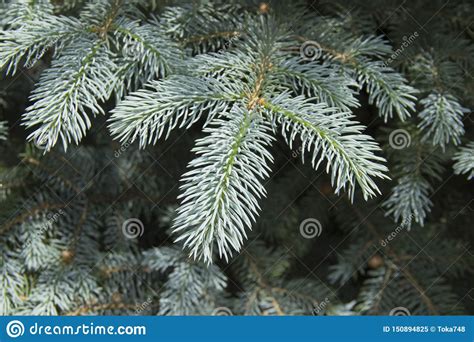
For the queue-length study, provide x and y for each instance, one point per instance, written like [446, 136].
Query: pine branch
[203, 26]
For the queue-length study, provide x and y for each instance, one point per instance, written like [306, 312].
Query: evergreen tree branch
[464, 160]
[220, 193]
[415, 166]
[66, 92]
[320, 81]
[32, 40]
[175, 102]
[333, 137]
[441, 119]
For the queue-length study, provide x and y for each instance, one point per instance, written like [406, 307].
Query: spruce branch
[3, 130]
[320, 81]
[251, 81]
[178, 101]
[464, 160]
[13, 284]
[31, 41]
[221, 191]
[146, 54]
[330, 135]
[416, 166]
[387, 89]
[410, 198]
[441, 119]
[190, 286]
[74, 85]
[360, 57]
